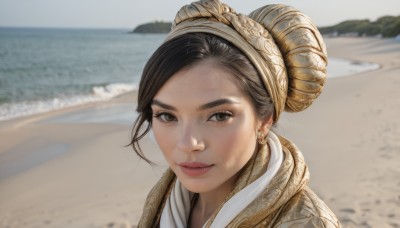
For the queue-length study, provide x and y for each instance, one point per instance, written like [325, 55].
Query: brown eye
[220, 116]
[165, 117]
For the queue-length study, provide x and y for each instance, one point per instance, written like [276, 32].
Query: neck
[209, 202]
[204, 207]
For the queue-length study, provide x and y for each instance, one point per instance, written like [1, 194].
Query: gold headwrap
[282, 43]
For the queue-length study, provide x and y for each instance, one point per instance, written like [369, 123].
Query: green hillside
[387, 26]
[153, 27]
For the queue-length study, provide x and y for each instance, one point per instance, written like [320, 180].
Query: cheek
[165, 140]
[236, 144]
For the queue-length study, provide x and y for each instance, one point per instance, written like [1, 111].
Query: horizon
[128, 14]
[124, 28]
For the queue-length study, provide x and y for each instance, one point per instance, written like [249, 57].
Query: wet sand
[71, 168]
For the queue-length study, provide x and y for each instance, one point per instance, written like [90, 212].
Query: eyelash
[226, 114]
[163, 115]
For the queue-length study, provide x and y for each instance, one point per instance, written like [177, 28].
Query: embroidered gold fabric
[281, 42]
[286, 201]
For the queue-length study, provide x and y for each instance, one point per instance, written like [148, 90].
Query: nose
[190, 140]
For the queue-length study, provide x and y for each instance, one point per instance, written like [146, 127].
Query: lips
[194, 168]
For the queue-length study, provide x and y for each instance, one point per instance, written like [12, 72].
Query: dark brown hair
[185, 51]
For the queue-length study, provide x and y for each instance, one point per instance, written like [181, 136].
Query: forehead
[202, 82]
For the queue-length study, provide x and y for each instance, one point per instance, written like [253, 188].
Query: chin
[196, 185]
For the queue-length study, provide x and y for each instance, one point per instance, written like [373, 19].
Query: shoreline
[97, 101]
[350, 139]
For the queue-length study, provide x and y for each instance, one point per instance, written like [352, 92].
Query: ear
[266, 125]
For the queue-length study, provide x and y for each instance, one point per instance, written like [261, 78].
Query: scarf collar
[269, 179]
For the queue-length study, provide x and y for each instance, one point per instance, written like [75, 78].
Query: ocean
[47, 69]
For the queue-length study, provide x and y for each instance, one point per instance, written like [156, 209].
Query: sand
[71, 168]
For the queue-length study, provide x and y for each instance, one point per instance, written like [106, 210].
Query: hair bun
[303, 51]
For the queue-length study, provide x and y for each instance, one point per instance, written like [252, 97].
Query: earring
[261, 138]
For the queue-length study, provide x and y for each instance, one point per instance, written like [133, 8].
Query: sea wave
[99, 93]
[339, 67]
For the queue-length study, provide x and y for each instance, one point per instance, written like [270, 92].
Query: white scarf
[177, 207]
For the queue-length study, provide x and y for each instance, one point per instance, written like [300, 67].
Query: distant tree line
[387, 26]
[153, 27]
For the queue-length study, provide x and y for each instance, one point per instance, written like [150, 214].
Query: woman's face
[205, 126]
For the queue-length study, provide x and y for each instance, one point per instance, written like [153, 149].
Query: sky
[130, 13]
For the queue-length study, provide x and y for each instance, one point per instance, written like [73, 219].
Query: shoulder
[306, 209]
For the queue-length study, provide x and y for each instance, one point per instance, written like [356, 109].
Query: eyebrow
[218, 102]
[163, 105]
[209, 105]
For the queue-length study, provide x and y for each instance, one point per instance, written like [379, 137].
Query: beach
[72, 167]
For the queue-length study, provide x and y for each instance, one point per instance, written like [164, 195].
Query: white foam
[338, 67]
[112, 90]
[99, 93]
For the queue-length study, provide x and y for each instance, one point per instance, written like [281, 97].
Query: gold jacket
[286, 202]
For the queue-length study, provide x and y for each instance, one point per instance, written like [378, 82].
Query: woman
[210, 94]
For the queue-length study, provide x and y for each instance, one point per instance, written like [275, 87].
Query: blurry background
[130, 13]
[57, 54]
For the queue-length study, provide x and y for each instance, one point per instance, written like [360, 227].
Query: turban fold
[282, 43]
